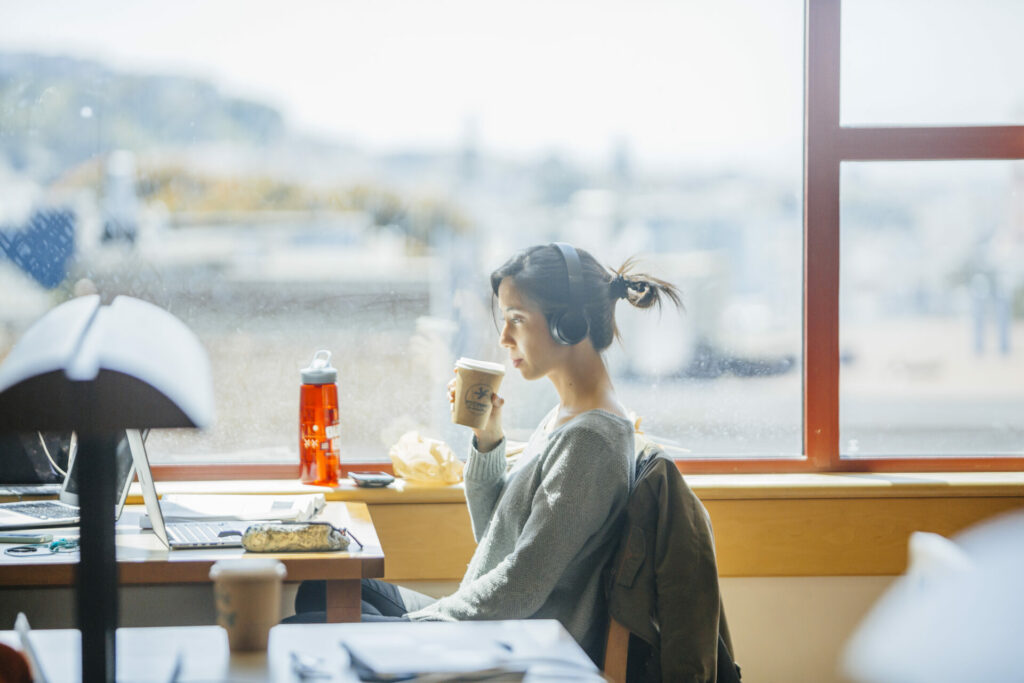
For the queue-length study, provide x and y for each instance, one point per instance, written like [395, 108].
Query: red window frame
[827, 144]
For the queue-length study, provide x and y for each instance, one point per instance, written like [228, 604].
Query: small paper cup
[475, 381]
[247, 594]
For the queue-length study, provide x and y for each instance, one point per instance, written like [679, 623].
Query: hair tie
[619, 287]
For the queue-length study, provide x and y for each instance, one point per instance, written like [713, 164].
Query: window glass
[343, 175]
[932, 62]
[932, 308]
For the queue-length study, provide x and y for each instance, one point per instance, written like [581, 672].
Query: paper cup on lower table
[475, 381]
[247, 594]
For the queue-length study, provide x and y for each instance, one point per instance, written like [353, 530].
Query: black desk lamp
[98, 370]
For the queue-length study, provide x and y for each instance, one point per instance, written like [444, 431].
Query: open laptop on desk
[64, 511]
[32, 464]
[180, 535]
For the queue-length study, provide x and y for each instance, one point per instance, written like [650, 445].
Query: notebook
[207, 507]
[180, 535]
[64, 511]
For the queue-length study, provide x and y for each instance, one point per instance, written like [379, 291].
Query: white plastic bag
[424, 460]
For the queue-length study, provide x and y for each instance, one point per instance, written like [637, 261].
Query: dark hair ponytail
[640, 289]
[539, 274]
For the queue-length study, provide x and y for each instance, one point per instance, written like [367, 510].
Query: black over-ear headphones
[570, 327]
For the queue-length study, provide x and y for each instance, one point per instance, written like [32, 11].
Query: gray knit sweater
[546, 529]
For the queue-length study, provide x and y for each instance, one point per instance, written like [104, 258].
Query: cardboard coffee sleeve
[475, 381]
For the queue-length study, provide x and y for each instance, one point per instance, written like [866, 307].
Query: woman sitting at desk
[546, 529]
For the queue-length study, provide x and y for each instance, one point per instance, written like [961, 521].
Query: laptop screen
[34, 457]
[146, 483]
[125, 474]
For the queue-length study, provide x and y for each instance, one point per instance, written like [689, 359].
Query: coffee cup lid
[248, 568]
[483, 365]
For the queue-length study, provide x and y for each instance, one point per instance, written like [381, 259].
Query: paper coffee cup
[475, 381]
[247, 594]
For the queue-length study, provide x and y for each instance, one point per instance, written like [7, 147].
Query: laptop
[180, 535]
[32, 464]
[64, 511]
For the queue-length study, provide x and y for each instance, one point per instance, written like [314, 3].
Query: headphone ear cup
[568, 328]
[553, 321]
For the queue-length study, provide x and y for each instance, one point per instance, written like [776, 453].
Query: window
[834, 236]
[931, 63]
[928, 358]
[345, 176]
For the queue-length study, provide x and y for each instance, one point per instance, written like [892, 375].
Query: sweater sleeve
[484, 477]
[585, 482]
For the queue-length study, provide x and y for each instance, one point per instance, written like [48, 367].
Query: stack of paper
[189, 507]
[429, 655]
[402, 657]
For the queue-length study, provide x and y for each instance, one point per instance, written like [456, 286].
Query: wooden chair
[616, 651]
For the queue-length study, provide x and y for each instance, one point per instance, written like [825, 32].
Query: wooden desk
[148, 654]
[142, 559]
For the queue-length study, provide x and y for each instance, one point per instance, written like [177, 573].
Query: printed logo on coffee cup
[478, 398]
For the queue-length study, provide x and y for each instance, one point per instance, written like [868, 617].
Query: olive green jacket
[663, 585]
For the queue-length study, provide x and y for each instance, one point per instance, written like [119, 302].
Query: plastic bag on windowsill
[424, 460]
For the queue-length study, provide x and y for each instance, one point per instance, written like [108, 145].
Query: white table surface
[150, 654]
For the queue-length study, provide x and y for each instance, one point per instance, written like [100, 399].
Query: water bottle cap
[320, 370]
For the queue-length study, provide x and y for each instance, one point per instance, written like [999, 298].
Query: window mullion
[821, 234]
[931, 143]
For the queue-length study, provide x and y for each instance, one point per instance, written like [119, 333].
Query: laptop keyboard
[29, 489]
[47, 509]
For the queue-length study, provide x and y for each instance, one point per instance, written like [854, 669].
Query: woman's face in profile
[525, 333]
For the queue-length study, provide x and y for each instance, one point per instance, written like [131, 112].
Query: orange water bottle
[319, 434]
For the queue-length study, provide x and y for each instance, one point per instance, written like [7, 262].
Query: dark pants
[381, 601]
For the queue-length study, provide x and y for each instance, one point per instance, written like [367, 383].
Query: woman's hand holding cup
[491, 434]
[475, 401]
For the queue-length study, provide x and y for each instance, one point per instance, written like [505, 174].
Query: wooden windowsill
[708, 487]
[857, 485]
[399, 492]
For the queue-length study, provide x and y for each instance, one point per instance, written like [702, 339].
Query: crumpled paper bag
[424, 460]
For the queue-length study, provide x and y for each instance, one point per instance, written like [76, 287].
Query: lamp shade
[84, 366]
[100, 370]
